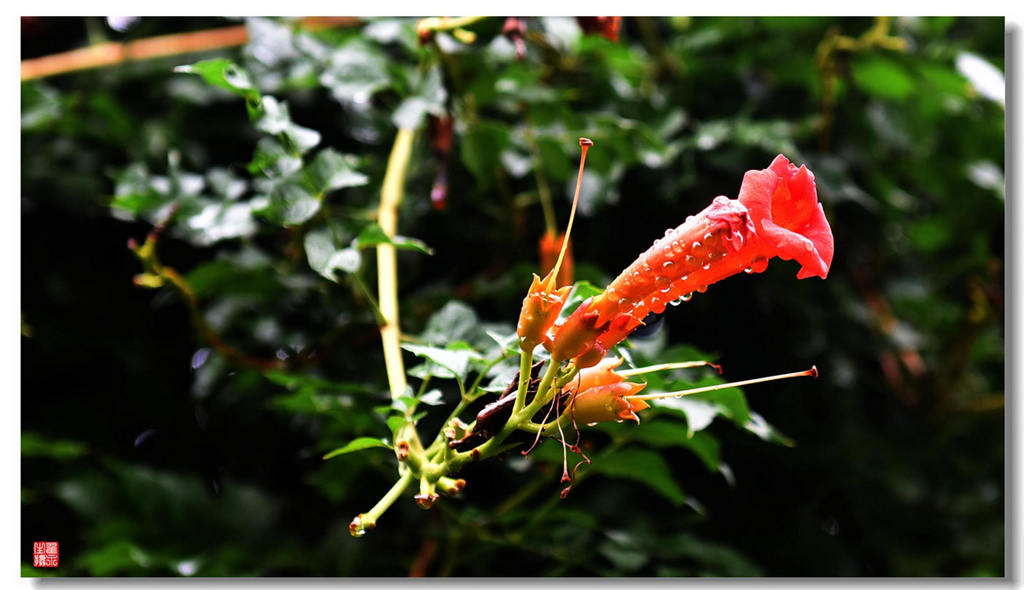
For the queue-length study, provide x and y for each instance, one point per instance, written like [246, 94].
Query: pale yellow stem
[387, 282]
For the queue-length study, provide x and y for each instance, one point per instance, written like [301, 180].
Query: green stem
[368, 520]
[542, 396]
[525, 371]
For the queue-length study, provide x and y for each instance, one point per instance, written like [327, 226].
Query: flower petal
[783, 203]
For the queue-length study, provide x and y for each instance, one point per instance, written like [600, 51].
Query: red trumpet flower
[777, 214]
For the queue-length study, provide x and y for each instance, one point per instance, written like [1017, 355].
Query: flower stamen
[812, 372]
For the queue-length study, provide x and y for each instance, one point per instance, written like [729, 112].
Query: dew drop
[748, 270]
[677, 247]
[613, 295]
[682, 299]
[667, 266]
[591, 424]
[809, 246]
[684, 277]
[662, 282]
[668, 232]
[689, 218]
[707, 236]
[706, 266]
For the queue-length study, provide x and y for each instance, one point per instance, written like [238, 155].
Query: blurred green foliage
[150, 450]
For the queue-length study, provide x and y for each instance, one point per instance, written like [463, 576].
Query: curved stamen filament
[668, 366]
[812, 372]
[585, 144]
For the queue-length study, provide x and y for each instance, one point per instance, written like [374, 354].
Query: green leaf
[226, 74]
[331, 170]
[36, 445]
[665, 433]
[931, 234]
[355, 72]
[481, 148]
[40, 106]
[290, 204]
[326, 258]
[429, 97]
[455, 321]
[396, 422]
[698, 413]
[227, 276]
[276, 120]
[700, 409]
[766, 432]
[373, 234]
[273, 160]
[882, 77]
[450, 362]
[644, 466]
[359, 444]
[213, 221]
[578, 295]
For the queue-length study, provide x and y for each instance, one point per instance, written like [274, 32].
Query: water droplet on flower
[667, 266]
[662, 281]
[669, 231]
[682, 299]
[612, 295]
[591, 424]
[677, 247]
[707, 236]
[809, 246]
[701, 289]
[689, 218]
[707, 266]
[625, 304]
[684, 277]
[748, 270]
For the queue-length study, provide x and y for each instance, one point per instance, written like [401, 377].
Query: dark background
[140, 464]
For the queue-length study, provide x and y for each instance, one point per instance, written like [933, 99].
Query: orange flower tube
[777, 214]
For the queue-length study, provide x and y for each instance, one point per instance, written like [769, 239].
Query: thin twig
[109, 54]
